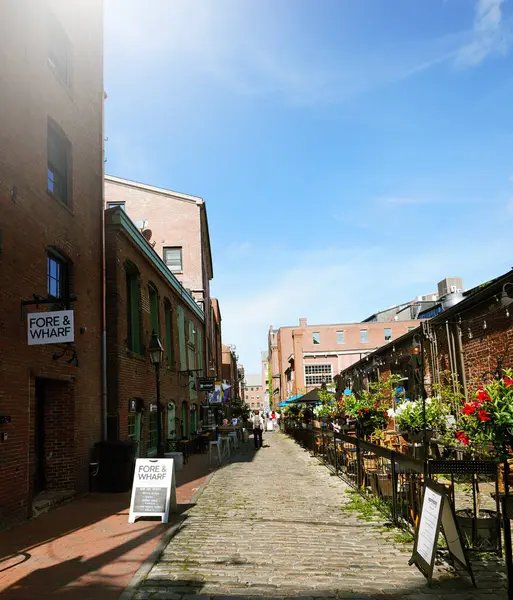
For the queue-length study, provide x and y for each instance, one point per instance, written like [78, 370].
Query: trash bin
[178, 458]
[116, 465]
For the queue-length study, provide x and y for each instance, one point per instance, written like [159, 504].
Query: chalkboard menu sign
[437, 513]
[153, 489]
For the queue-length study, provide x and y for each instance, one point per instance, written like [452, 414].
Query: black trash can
[116, 465]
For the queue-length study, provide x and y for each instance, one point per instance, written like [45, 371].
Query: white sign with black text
[55, 327]
[428, 527]
[153, 489]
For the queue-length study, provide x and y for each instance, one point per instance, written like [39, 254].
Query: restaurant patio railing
[394, 480]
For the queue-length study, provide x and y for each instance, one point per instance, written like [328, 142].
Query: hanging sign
[153, 489]
[437, 513]
[55, 327]
[206, 384]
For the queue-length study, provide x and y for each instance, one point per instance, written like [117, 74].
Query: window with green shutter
[168, 315]
[154, 308]
[133, 307]
[181, 338]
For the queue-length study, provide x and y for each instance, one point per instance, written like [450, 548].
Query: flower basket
[417, 437]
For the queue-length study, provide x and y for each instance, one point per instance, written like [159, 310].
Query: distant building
[265, 377]
[305, 356]
[254, 391]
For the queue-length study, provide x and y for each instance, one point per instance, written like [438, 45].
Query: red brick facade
[43, 395]
[131, 375]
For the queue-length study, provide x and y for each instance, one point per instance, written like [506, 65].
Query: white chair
[216, 444]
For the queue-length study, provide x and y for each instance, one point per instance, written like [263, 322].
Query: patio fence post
[394, 487]
[358, 465]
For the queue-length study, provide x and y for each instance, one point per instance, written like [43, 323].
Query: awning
[312, 397]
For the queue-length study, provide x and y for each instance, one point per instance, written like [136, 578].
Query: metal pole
[160, 449]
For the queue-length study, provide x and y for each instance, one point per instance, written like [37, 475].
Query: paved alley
[270, 524]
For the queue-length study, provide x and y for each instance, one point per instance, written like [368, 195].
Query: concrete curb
[147, 565]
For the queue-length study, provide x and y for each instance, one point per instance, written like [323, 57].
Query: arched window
[170, 334]
[133, 308]
[154, 308]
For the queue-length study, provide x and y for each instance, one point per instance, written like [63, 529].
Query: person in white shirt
[258, 427]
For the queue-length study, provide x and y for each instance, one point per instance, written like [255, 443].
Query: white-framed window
[341, 337]
[364, 336]
[173, 258]
[317, 374]
[316, 337]
[388, 334]
[116, 204]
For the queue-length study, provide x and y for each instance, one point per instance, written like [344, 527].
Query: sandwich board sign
[55, 327]
[437, 513]
[153, 489]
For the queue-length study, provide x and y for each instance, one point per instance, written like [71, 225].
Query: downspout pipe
[461, 359]
[104, 286]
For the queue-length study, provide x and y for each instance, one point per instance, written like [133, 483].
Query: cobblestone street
[270, 524]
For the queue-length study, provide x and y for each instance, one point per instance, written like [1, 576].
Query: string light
[469, 333]
[484, 325]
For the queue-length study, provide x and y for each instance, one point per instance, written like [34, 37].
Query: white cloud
[490, 36]
[400, 200]
[336, 284]
[240, 48]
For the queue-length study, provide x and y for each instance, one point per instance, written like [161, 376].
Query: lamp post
[156, 352]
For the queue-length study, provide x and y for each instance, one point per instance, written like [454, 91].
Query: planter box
[487, 535]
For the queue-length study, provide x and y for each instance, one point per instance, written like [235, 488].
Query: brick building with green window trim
[143, 295]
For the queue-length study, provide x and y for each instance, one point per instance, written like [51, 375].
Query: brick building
[231, 372]
[306, 356]
[178, 226]
[254, 392]
[143, 296]
[471, 335]
[216, 365]
[51, 180]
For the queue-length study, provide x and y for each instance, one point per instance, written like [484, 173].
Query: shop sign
[56, 327]
[206, 384]
[153, 407]
[153, 489]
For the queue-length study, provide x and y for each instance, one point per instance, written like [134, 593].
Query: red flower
[385, 414]
[463, 437]
[376, 405]
[469, 409]
[360, 412]
[483, 415]
[508, 381]
[483, 396]
[366, 409]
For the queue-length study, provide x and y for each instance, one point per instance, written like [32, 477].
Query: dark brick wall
[31, 220]
[130, 375]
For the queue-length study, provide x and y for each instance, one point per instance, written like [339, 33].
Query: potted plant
[485, 430]
[413, 423]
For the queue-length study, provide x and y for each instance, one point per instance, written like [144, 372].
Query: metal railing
[395, 480]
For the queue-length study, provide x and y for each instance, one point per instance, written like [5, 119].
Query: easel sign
[437, 512]
[153, 489]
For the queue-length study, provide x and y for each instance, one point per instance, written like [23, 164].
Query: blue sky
[352, 153]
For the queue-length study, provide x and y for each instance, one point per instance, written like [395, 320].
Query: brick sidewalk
[85, 550]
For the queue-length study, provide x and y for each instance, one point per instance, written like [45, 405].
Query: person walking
[258, 427]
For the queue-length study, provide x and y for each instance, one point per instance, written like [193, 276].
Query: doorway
[39, 482]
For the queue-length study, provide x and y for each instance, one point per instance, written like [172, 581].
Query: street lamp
[156, 352]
